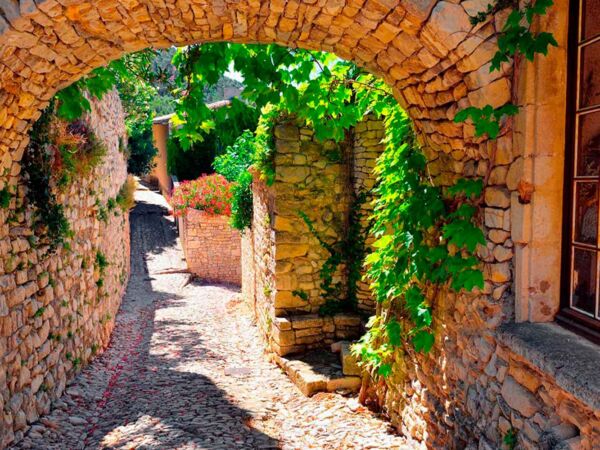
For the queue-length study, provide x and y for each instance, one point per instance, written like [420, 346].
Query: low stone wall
[261, 270]
[212, 248]
[298, 334]
[55, 315]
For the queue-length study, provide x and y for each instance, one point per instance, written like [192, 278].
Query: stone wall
[212, 248]
[437, 62]
[53, 315]
[261, 272]
[312, 178]
[319, 180]
[367, 146]
[247, 268]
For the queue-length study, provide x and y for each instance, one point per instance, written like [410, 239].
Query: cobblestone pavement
[186, 369]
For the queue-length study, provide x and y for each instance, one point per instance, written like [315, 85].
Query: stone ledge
[570, 359]
[317, 371]
[297, 334]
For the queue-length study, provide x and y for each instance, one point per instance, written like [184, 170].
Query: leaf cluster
[516, 37]
[37, 164]
[425, 240]
[73, 101]
[486, 120]
[241, 202]
[320, 88]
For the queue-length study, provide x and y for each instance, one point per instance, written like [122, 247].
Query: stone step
[317, 371]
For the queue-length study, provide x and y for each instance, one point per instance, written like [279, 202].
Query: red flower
[209, 193]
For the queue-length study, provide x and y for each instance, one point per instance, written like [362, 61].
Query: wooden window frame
[578, 322]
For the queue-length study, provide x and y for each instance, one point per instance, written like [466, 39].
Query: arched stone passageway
[472, 386]
[426, 50]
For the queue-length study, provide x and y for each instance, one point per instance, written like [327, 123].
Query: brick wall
[212, 248]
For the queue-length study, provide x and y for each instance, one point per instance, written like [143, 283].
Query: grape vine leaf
[394, 332]
[423, 341]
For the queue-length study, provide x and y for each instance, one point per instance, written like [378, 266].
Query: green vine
[100, 264]
[425, 244]
[427, 238]
[510, 439]
[37, 164]
[5, 198]
[516, 38]
[264, 152]
[349, 252]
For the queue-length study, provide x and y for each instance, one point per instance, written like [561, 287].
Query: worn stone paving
[186, 369]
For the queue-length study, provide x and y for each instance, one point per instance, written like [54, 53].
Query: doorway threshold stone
[317, 371]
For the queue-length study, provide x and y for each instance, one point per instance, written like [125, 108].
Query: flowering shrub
[209, 193]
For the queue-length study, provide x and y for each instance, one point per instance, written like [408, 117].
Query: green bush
[192, 163]
[237, 157]
[141, 150]
[241, 202]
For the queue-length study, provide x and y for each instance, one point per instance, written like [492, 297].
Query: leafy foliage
[516, 38]
[73, 101]
[75, 150]
[141, 151]
[424, 239]
[241, 202]
[511, 439]
[486, 119]
[125, 197]
[323, 90]
[199, 158]
[4, 198]
[37, 164]
[516, 35]
[237, 157]
[101, 263]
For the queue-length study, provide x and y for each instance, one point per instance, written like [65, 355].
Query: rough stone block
[519, 398]
[349, 362]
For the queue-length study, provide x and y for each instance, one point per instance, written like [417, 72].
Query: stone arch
[427, 50]
[482, 380]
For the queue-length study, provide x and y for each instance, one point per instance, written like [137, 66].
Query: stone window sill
[571, 360]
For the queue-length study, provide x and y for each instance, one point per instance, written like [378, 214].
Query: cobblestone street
[186, 369]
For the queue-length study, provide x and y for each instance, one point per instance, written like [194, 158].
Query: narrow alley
[186, 369]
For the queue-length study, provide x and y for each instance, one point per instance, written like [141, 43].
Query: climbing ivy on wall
[425, 245]
[431, 246]
[37, 163]
[426, 237]
[348, 252]
[515, 39]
